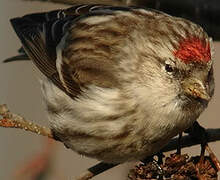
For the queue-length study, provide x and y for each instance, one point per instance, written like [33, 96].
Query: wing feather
[40, 35]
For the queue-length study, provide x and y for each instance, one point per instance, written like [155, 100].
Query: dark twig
[95, 170]
[188, 141]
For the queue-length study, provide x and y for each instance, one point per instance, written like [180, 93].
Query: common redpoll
[121, 81]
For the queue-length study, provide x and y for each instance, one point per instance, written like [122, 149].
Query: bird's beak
[195, 88]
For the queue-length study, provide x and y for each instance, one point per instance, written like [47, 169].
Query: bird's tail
[22, 56]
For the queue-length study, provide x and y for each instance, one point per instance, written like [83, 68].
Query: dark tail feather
[22, 56]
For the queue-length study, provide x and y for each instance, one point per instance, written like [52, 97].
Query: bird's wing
[40, 34]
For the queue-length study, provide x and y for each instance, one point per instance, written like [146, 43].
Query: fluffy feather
[118, 91]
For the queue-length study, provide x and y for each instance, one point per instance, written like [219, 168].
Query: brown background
[19, 88]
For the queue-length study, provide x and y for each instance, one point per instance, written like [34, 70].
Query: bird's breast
[105, 125]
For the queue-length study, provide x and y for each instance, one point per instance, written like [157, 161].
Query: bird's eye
[169, 68]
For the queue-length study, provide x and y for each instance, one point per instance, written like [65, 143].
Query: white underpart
[89, 110]
[158, 119]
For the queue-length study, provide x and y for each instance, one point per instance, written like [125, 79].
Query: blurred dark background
[203, 12]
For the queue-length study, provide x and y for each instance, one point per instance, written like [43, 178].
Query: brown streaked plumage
[116, 88]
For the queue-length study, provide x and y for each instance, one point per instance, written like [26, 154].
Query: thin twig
[188, 141]
[213, 157]
[85, 176]
[95, 170]
[11, 120]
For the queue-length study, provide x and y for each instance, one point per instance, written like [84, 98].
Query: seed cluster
[179, 167]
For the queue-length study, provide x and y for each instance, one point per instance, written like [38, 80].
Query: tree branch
[11, 120]
[188, 141]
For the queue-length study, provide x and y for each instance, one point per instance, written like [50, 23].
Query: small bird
[120, 81]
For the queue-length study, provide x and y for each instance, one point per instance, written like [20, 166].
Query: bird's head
[175, 63]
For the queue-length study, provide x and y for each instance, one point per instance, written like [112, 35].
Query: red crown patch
[193, 50]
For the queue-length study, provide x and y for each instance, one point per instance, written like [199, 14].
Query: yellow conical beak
[195, 88]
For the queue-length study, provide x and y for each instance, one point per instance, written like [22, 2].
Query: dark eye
[168, 68]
